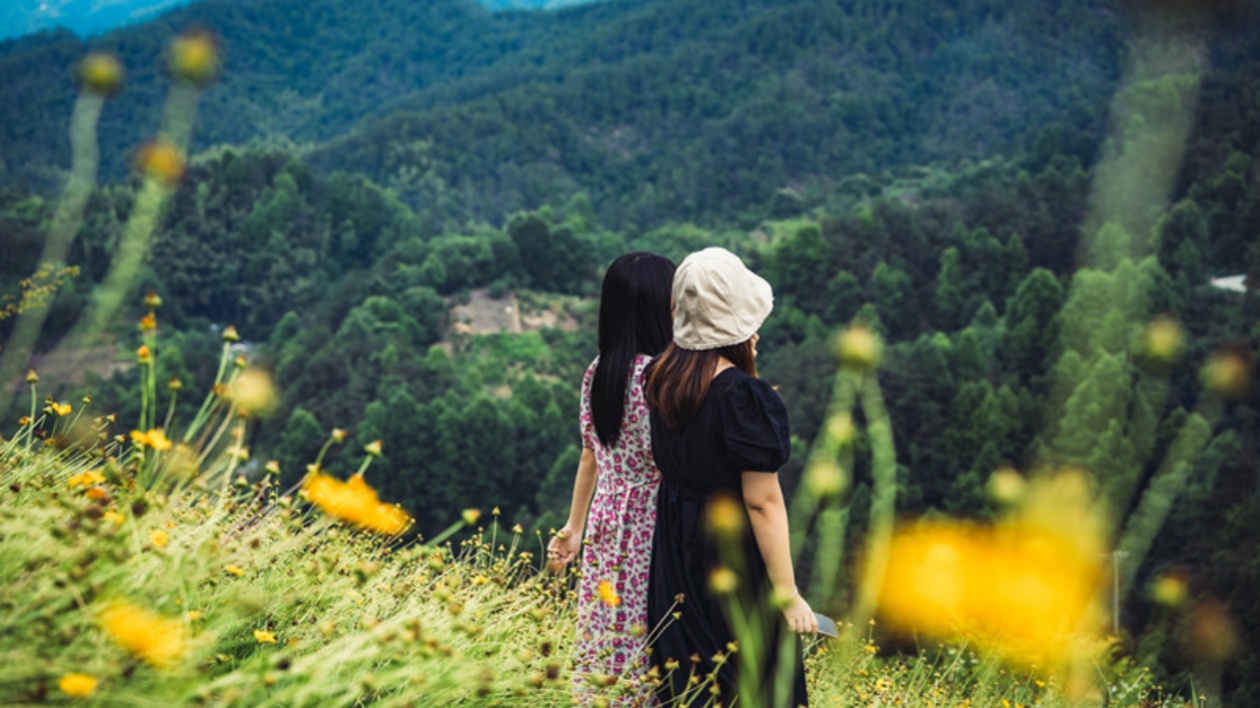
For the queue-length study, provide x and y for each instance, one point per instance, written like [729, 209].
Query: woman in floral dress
[616, 465]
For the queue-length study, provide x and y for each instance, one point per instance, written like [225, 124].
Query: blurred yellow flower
[194, 615]
[1021, 595]
[1006, 486]
[162, 162]
[264, 637]
[143, 355]
[724, 516]
[159, 641]
[1227, 373]
[101, 73]
[77, 685]
[373, 448]
[113, 516]
[159, 539]
[234, 570]
[194, 58]
[148, 323]
[356, 502]
[155, 439]
[608, 594]
[470, 516]
[1169, 590]
[858, 348]
[62, 408]
[253, 393]
[723, 581]
[1163, 340]
[86, 479]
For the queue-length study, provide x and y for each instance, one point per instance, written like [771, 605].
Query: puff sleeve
[755, 427]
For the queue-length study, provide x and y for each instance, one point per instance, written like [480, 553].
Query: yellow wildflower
[86, 479]
[161, 161]
[62, 408]
[1169, 590]
[723, 581]
[159, 539]
[158, 440]
[1025, 589]
[724, 516]
[356, 502]
[858, 348]
[253, 393]
[148, 323]
[234, 570]
[155, 439]
[470, 516]
[113, 516]
[193, 58]
[157, 640]
[608, 594]
[373, 448]
[101, 73]
[264, 637]
[230, 335]
[194, 615]
[143, 355]
[77, 685]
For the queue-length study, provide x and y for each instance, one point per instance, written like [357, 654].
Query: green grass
[205, 539]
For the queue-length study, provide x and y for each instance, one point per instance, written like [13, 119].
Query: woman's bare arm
[565, 546]
[767, 513]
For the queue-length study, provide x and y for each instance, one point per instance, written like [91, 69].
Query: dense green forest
[479, 114]
[928, 168]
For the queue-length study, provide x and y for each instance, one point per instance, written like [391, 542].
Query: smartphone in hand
[827, 626]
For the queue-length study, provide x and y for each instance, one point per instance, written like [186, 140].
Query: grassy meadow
[160, 565]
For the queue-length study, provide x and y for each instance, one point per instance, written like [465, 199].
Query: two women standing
[718, 435]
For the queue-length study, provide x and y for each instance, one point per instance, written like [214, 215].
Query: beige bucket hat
[718, 301]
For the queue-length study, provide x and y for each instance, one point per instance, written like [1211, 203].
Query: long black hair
[634, 318]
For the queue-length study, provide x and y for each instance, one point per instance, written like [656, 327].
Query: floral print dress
[612, 596]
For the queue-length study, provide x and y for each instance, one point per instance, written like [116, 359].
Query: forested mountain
[933, 169]
[715, 104]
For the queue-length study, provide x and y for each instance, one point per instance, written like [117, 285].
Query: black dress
[742, 427]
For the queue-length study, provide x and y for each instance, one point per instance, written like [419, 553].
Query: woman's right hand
[564, 546]
[800, 616]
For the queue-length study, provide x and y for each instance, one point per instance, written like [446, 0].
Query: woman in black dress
[719, 435]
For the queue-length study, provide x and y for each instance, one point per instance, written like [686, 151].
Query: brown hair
[678, 380]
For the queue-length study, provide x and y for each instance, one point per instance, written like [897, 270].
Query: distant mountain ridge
[83, 17]
[87, 18]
